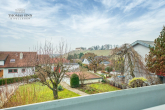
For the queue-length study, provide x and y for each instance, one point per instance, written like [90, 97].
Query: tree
[80, 55]
[128, 61]
[109, 69]
[75, 56]
[94, 59]
[50, 71]
[82, 75]
[156, 58]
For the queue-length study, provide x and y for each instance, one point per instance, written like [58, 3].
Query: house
[66, 64]
[88, 77]
[80, 48]
[85, 61]
[16, 64]
[142, 47]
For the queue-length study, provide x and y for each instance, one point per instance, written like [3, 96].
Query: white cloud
[79, 25]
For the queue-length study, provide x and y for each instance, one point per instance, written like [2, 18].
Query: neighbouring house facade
[142, 47]
[16, 64]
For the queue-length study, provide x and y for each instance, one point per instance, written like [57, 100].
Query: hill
[97, 52]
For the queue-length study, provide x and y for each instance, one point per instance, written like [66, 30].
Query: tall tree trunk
[55, 92]
[131, 66]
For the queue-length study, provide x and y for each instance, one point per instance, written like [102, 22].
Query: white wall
[85, 61]
[67, 80]
[1, 62]
[128, 99]
[70, 67]
[91, 81]
[28, 71]
[142, 50]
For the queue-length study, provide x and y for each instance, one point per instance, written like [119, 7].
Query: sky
[80, 23]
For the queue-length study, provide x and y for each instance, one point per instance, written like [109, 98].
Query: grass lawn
[98, 88]
[34, 93]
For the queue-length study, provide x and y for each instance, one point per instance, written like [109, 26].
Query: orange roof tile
[27, 60]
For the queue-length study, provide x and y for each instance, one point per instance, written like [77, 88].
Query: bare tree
[94, 59]
[82, 75]
[49, 70]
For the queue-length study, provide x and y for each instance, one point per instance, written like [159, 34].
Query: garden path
[66, 86]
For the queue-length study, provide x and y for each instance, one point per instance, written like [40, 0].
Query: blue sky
[82, 23]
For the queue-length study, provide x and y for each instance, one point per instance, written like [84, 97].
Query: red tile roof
[3, 57]
[87, 74]
[55, 60]
[27, 61]
[46, 59]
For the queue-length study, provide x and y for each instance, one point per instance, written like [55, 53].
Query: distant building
[81, 48]
[90, 48]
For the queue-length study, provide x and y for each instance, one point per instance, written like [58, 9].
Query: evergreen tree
[156, 58]
[80, 55]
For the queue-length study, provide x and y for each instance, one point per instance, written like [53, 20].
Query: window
[12, 71]
[12, 60]
[23, 70]
[15, 70]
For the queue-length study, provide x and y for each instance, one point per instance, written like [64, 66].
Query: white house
[142, 47]
[85, 61]
[88, 77]
[16, 64]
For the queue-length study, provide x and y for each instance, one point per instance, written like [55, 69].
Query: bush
[85, 66]
[74, 81]
[108, 69]
[60, 88]
[137, 82]
[16, 79]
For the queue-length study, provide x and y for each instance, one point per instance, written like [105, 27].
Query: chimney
[21, 55]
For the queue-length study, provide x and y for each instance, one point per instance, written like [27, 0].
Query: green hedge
[16, 79]
[74, 80]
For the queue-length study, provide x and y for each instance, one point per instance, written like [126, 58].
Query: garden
[35, 93]
[97, 88]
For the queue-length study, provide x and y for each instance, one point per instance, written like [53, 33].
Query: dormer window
[12, 60]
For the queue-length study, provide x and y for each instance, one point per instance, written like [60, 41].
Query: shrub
[108, 69]
[60, 88]
[74, 80]
[85, 66]
[16, 79]
[137, 82]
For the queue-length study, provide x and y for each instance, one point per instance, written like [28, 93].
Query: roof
[24, 62]
[105, 62]
[3, 57]
[144, 43]
[87, 74]
[56, 60]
